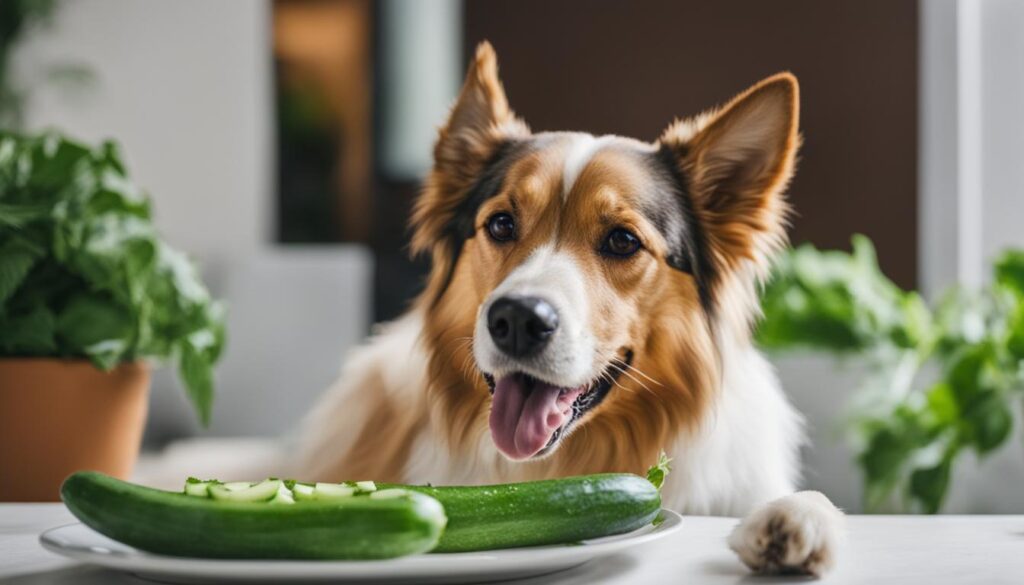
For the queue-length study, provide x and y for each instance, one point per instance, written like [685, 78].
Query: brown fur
[738, 186]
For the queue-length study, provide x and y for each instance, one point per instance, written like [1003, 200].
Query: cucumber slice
[303, 492]
[283, 496]
[332, 491]
[366, 486]
[389, 494]
[259, 492]
[198, 487]
[233, 486]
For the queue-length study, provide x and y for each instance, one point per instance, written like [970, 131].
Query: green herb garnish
[657, 472]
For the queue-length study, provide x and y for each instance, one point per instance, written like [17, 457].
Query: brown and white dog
[590, 304]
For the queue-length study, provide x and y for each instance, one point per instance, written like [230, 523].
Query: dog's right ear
[479, 126]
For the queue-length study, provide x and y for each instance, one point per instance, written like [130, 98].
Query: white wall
[939, 258]
[971, 138]
[1002, 76]
[421, 72]
[185, 87]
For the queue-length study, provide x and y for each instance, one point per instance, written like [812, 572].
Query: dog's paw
[799, 533]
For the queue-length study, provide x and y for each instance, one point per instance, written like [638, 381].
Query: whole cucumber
[543, 512]
[182, 525]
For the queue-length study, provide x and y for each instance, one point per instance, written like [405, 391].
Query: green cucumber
[174, 523]
[542, 512]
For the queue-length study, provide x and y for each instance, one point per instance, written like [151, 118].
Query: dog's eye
[501, 227]
[620, 242]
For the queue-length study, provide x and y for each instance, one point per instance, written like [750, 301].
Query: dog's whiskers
[610, 380]
[614, 362]
[632, 377]
[633, 368]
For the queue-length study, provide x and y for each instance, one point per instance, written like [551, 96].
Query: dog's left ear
[737, 162]
[479, 125]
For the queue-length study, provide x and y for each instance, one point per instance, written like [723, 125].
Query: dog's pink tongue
[523, 419]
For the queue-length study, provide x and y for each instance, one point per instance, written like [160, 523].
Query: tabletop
[908, 550]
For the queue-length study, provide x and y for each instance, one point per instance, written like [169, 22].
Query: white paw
[799, 533]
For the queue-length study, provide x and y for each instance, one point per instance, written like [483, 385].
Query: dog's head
[595, 277]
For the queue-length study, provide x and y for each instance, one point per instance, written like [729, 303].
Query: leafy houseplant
[84, 274]
[909, 427]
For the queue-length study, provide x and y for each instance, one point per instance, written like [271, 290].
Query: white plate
[79, 542]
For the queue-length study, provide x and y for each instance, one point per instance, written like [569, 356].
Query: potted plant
[89, 295]
[946, 378]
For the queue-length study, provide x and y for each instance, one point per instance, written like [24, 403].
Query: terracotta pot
[60, 416]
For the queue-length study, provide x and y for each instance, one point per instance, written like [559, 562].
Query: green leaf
[29, 334]
[916, 329]
[989, 422]
[16, 259]
[656, 474]
[928, 486]
[1009, 271]
[17, 216]
[942, 405]
[197, 372]
[98, 327]
[967, 374]
[887, 451]
[891, 443]
[1015, 338]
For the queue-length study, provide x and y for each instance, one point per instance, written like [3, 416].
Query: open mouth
[529, 415]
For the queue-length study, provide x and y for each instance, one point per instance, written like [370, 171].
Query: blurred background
[283, 141]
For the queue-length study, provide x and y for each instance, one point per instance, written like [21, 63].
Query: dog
[590, 303]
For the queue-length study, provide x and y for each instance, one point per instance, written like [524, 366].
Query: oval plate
[81, 543]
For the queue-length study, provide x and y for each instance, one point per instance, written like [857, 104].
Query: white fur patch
[747, 451]
[581, 150]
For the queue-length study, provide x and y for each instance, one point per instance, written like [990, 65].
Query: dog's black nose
[521, 326]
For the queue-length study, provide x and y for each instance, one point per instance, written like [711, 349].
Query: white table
[905, 550]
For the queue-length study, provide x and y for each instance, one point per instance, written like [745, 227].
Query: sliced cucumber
[198, 487]
[332, 491]
[260, 492]
[283, 496]
[390, 493]
[234, 486]
[366, 486]
[303, 492]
